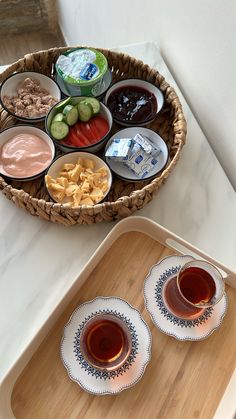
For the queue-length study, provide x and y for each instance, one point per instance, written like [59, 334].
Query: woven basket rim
[179, 135]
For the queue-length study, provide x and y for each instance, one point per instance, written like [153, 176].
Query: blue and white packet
[140, 162]
[139, 154]
[119, 149]
[147, 145]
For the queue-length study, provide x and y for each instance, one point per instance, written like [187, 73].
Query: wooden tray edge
[157, 232]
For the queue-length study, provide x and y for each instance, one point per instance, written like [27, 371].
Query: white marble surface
[39, 260]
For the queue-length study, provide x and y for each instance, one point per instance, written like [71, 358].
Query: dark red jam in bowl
[132, 104]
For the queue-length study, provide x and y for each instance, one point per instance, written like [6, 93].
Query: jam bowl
[134, 102]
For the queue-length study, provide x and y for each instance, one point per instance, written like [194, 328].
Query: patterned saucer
[199, 326]
[88, 377]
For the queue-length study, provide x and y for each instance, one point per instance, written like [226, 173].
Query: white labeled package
[139, 154]
[119, 149]
[144, 143]
[148, 146]
[140, 162]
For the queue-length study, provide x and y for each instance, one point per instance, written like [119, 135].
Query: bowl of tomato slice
[79, 124]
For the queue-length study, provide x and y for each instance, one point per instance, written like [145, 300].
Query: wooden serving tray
[184, 379]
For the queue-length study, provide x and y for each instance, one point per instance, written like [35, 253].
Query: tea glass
[105, 342]
[197, 286]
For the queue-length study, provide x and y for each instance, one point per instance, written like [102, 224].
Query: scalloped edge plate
[79, 370]
[181, 329]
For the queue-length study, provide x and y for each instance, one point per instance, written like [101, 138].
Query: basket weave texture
[124, 197]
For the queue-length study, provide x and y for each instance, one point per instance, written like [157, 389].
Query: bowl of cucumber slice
[79, 123]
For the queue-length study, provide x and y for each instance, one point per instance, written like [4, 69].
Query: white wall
[198, 41]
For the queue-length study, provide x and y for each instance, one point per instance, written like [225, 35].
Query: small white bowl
[141, 84]
[8, 133]
[10, 84]
[57, 164]
[122, 171]
[93, 148]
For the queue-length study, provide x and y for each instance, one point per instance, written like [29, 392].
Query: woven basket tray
[124, 197]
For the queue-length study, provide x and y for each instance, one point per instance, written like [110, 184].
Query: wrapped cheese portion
[147, 145]
[139, 154]
[140, 162]
[119, 149]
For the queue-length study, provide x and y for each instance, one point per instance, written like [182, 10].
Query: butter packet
[119, 149]
[147, 145]
[140, 162]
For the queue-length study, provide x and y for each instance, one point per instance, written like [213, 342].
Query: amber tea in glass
[105, 342]
[200, 283]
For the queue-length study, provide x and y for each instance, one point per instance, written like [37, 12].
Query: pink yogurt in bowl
[25, 152]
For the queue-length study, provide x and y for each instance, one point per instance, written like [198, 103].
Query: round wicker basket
[124, 197]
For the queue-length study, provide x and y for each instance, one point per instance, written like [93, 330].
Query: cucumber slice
[71, 114]
[59, 130]
[58, 117]
[61, 105]
[94, 103]
[85, 111]
[74, 101]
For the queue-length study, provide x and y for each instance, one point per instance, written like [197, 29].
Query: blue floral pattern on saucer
[173, 270]
[197, 328]
[107, 374]
[87, 376]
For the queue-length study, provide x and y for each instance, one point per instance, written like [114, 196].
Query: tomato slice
[95, 133]
[67, 141]
[74, 139]
[83, 134]
[99, 125]
[79, 133]
[89, 134]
